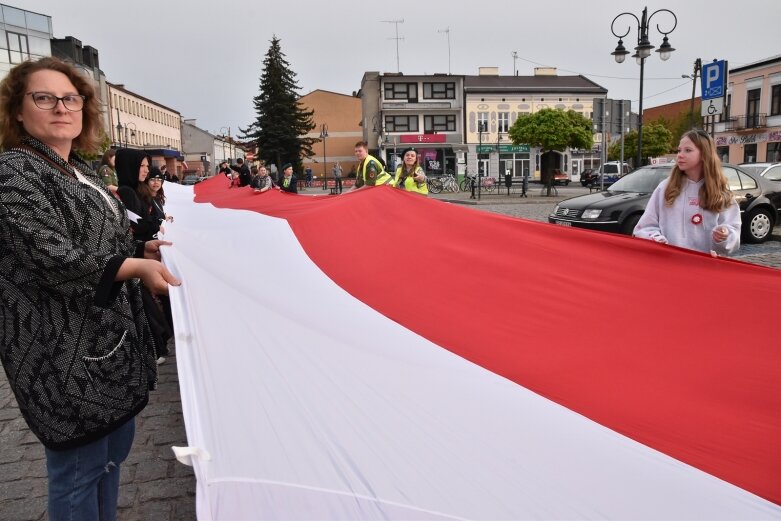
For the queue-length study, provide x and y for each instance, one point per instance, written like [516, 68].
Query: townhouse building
[492, 103]
[337, 119]
[422, 111]
[750, 129]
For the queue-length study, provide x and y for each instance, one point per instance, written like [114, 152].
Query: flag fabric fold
[382, 355]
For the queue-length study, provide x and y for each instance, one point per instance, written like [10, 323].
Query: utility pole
[396, 22]
[697, 70]
[515, 69]
[447, 31]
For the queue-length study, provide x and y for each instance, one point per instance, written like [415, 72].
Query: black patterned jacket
[74, 343]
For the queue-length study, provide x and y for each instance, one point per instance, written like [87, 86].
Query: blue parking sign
[714, 79]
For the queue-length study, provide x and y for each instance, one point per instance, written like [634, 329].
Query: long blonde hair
[714, 194]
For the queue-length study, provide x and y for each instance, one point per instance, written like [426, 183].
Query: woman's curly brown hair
[13, 89]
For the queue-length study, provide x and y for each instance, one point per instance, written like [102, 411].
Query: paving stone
[156, 510]
[23, 510]
[14, 471]
[127, 495]
[151, 471]
[163, 489]
[155, 409]
[180, 470]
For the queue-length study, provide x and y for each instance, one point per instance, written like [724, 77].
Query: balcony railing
[748, 121]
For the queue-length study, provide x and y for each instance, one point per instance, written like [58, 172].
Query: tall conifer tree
[281, 123]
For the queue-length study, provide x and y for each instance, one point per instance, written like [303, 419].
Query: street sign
[714, 79]
[712, 107]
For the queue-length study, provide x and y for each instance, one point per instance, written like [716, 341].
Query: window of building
[775, 100]
[443, 123]
[504, 121]
[482, 121]
[405, 91]
[13, 16]
[752, 108]
[439, 90]
[401, 123]
[750, 152]
[17, 47]
[773, 152]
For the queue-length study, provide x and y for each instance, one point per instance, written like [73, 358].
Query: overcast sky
[204, 58]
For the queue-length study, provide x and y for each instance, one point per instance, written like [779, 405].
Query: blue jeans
[84, 482]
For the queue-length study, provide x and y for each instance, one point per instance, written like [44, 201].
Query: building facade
[337, 120]
[494, 102]
[138, 122]
[420, 111]
[750, 129]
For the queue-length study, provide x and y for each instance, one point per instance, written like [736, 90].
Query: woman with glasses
[74, 340]
[155, 182]
[409, 175]
[694, 207]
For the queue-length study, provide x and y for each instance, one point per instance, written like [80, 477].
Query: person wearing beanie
[409, 175]
[155, 181]
[289, 182]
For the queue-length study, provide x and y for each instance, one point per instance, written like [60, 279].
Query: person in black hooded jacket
[132, 168]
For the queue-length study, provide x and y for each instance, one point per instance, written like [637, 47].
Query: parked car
[560, 177]
[191, 179]
[618, 209]
[610, 171]
[770, 171]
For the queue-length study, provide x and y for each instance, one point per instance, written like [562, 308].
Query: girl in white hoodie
[694, 207]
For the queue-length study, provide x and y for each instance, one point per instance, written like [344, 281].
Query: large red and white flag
[380, 355]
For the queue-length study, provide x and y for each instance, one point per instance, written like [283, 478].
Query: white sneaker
[160, 360]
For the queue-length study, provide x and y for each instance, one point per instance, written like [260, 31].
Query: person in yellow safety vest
[370, 171]
[409, 175]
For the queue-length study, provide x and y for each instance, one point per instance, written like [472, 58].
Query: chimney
[488, 71]
[545, 71]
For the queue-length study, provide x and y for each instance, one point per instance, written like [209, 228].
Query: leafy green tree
[281, 122]
[657, 141]
[553, 129]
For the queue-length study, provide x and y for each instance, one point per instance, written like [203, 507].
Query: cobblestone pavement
[154, 485]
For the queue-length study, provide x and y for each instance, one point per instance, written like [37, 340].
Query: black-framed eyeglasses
[701, 133]
[47, 100]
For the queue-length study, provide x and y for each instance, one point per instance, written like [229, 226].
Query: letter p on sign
[713, 80]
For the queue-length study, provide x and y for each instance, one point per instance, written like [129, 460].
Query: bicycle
[435, 185]
[449, 182]
[486, 183]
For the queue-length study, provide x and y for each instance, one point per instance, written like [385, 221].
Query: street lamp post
[124, 129]
[323, 136]
[132, 131]
[480, 130]
[642, 51]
